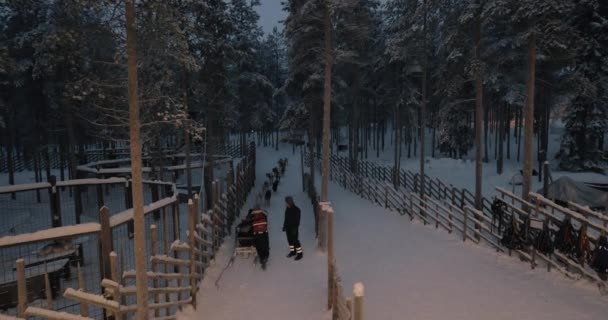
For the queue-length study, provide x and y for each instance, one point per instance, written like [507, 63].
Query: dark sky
[270, 14]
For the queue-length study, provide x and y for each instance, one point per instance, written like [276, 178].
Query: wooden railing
[407, 182]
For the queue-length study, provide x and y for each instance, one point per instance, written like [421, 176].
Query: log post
[532, 261]
[54, 202]
[464, 225]
[99, 190]
[21, 289]
[84, 308]
[153, 252]
[192, 245]
[105, 243]
[116, 278]
[546, 179]
[330, 253]
[437, 216]
[358, 292]
[47, 290]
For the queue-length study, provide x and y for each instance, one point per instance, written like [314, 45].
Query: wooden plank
[84, 308]
[153, 252]
[52, 315]
[50, 234]
[192, 254]
[21, 289]
[105, 242]
[158, 275]
[92, 299]
[162, 305]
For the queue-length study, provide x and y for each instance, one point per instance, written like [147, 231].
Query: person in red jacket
[259, 223]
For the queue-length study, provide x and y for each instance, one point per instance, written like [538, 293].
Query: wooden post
[330, 254]
[105, 242]
[153, 252]
[546, 179]
[47, 290]
[358, 292]
[411, 207]
[84, 308]
[437, 216]
[105, 245]
[450, 222]
[99, 189]
[464, 228]
[532, 262]
[386, 196]
[116, 278]
[54, 202]
[192, 244]
[21, 289]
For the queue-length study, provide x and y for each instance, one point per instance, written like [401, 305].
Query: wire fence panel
[25, 211]
[51, 267]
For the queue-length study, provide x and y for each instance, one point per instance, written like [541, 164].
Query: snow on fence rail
[100, 253]
[444, 209]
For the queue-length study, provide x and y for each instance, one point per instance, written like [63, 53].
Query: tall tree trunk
[433, 141]
[423, 104]
[496, 131]
[326, 105]
[485, 139]
[478, 117]
[501, 139]
[137, 187]
[529, 118]
[519, 135]
[397, 157]
[508, 131]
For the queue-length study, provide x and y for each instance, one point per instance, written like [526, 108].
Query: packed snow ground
[287, 289]
[410, 271]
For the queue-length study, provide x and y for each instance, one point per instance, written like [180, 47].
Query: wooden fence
[342, 307]
[441, 207]
[407, 181]
[176, 259]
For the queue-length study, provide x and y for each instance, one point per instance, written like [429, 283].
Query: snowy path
[288, 289]
[411, 271]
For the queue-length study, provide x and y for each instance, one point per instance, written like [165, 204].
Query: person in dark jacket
[290, 227]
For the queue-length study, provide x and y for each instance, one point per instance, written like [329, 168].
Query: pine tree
[304, 85]
[587, 114]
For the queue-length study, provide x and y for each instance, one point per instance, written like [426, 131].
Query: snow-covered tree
[587, 113]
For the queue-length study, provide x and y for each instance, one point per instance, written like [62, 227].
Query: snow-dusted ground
[412, 271]
[288, 289]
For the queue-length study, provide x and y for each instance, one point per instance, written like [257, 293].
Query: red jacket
[259, 221]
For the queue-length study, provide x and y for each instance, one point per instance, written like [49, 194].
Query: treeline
[201, 64]
[404, 65]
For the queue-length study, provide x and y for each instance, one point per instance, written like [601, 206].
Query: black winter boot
[299, 256]
[291, 254]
